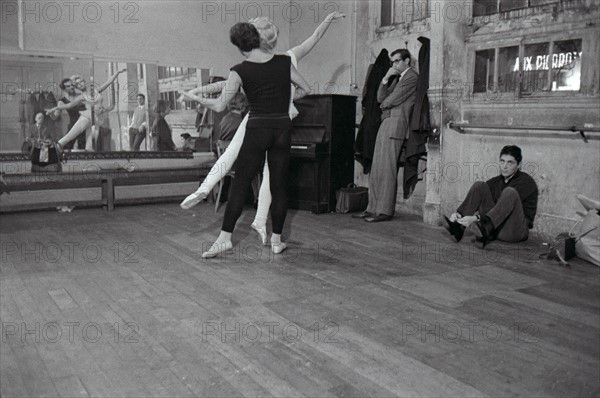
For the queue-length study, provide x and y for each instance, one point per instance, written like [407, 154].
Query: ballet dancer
[89, 99]
[268, 40]
[266, 80]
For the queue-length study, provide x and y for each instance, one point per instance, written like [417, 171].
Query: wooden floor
[121, 304]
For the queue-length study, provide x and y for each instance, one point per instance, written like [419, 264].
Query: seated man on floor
[500, 208]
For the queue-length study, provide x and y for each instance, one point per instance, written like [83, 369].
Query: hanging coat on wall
[369, 125]
[420, 123]
[38, 102]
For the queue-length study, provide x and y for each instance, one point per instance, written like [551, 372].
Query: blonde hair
[268, 32]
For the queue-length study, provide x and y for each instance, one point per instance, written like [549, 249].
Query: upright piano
[322, 155]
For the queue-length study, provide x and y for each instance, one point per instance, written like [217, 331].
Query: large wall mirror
[31, 84]
[132, 109]
[125, 114]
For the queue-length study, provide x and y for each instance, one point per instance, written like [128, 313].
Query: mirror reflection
[141, 111]
[100, 105]
[31, 85]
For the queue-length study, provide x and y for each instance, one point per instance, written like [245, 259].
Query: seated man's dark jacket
[525, 187]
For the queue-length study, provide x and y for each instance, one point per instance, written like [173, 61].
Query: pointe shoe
[588, 203]
[216, 249]
[262, 233]
[193, 199]
[60, 152]
[277, 248]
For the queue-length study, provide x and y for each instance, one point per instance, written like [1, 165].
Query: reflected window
[566, 65]
[508, 68]
[535, 68]
[488, 7]
[402, 11]
[509, 5]
[484, 7]
[484, 70]
[386, 12]
[545, 67]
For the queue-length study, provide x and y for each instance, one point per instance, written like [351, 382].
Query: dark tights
[251, 159]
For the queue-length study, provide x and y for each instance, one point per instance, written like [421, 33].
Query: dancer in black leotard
[266, 81]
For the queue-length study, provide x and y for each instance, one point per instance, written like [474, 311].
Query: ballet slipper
[278, 247]
[193, 199]
[60, 151]
[588, 203]
[217, 248]
[261, 230]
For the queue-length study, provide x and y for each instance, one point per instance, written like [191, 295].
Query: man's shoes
[364, 214]
[378, 218]
[455, 228]
[484, 231]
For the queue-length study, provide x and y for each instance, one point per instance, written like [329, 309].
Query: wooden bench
[106, 180]
[147, 177]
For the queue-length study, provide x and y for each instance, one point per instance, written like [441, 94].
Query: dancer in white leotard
[89, 98]
[268, 35]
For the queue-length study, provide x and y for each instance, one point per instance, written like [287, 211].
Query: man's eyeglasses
[395, 61]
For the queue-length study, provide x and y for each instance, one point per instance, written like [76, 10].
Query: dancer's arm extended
[303, 49]
[232, 85]
[111, 80]
[210, 88]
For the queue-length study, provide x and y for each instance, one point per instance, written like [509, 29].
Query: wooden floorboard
[122, 304]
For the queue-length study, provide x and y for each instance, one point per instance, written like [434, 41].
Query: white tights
[224, 164]
[79, 127]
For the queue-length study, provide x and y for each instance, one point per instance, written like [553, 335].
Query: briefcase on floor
[351, 198]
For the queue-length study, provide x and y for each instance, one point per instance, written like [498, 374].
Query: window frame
[499, 9]
[393, 6]
[549, 38]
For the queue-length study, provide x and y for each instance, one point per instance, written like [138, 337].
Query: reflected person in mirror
[139, 124]
[161, 129]
[86, 97]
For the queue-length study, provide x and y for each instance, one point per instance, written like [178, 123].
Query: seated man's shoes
[455, 228]
[378, 218]
[364, 214]
[484, 231]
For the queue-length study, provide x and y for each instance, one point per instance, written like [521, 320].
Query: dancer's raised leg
[79, 127]
[221, 167]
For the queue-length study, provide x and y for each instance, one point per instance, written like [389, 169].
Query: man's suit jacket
[397, 99]
[46, 132]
